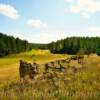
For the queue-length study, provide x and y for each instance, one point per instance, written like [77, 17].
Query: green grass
[9, 65]
[39, 55]
[83, 85]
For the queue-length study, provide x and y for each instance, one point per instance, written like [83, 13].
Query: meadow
[9, 65]
[82, 85]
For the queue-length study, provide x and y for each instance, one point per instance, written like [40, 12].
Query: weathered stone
[52, 63]
[46, 67]
[26, 71]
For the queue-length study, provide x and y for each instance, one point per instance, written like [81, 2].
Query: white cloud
[46, 37]
[38, 37]
[95, 30]
[69, 1]
[35, 23]
[85, 15]
[84, 7]
[8, 10]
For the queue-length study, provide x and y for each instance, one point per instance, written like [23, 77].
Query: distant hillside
[9, 45]
[74, 45]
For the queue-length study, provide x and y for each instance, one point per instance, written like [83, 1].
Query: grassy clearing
[9, 65]
[39, 55]
[84, 85]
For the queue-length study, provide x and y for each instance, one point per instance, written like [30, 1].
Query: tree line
[39, 46]
[75, 45]
[9, 45]
[71, 45]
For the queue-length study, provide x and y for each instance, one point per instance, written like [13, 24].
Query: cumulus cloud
[47, 37]
[83, 7]
[9, 11]
[41, 37]
[36, 23]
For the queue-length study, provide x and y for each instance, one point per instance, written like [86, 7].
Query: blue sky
[43, 21]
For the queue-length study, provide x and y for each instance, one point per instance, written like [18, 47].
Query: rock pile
[28, 71]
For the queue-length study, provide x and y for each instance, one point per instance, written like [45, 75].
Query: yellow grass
[9, 65]
[83, 85]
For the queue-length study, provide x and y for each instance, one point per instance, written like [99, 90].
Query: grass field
[9, 66]
[83, 85]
